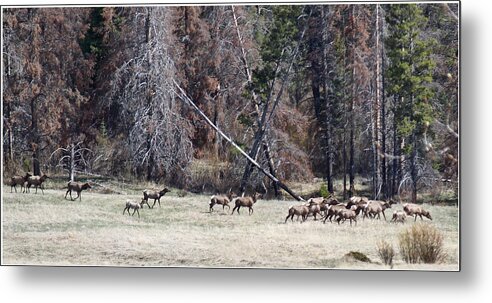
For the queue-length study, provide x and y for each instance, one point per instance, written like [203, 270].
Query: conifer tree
[408, 76]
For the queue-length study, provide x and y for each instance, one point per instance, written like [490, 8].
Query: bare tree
[74, 158]
[158, 138]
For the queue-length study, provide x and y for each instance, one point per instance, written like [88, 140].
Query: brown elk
[19, 180]
[37, 181]
[244, 202]
[77, 187]
[156, 195]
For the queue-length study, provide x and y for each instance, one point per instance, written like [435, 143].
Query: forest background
[335, 95]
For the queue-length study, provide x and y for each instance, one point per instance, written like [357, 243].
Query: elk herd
[331, 209]
[326, 208]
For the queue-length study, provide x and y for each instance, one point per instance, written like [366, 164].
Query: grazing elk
[156, 195]
[416, 210]
[77, 187]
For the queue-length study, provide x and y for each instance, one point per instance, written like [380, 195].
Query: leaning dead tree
[181, 94]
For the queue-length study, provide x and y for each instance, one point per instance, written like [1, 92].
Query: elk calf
[399, 216]
[133, 205]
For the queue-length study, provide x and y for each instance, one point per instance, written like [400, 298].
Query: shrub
[421, 243]
[358, 256]
[385, 252]
[323, 191]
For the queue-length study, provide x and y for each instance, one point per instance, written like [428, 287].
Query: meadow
[47, 229]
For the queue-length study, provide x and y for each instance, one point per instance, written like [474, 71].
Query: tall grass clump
[421, 243]
[385, 252]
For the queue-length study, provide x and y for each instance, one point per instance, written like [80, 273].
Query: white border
[168, 285]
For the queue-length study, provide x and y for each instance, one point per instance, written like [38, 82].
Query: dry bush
[385, 252]
[357, 255]
[421, 243]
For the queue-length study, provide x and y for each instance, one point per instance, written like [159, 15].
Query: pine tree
[408, 75]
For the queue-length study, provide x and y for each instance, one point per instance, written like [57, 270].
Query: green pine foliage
[92, 43]
[410, 69]
[276, 46]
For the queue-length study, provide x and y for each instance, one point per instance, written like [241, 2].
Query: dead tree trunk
[35, 143]
[328, 108]
[183, 96]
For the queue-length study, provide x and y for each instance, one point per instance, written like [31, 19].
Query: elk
[299, 210]
[156, 195]
[416, 210]
[221, 200]
[345, 214]
[399, 216]
[374, 207]
[245, 202]
[334, 210]
[37, 181]
[19, 180]
[133, 205]
[78, 187]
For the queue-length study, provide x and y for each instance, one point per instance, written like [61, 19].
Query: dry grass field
[49, 230]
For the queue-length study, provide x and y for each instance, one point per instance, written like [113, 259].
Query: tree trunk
[352, 156]
[150, 159]
[72, 162]
[384, 175]
[394, 166]
[328, 113]
[35, 138]
[253, 154]
[375, 126]
[10, 137]
[413, 168]
[271, 167]
[344, 167]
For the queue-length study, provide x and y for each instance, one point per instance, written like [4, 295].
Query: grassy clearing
[49, 230]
